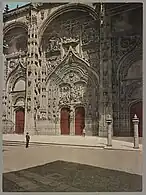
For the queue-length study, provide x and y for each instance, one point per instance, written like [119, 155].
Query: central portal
[65, 121]
[79, 120]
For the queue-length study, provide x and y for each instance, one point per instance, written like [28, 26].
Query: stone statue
[28, 105]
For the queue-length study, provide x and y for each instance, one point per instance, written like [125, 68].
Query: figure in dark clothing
[27, 140]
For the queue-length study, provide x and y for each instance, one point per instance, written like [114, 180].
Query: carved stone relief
[53, 44]
[124, 45]
[63, 33]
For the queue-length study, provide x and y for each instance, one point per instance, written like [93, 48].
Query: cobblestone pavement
[67, 169]
[60, 176]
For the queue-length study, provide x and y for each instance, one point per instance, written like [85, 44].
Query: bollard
[109, 130]
[136, 137]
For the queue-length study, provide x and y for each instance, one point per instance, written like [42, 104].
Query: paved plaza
[52, 168]
[118, 143]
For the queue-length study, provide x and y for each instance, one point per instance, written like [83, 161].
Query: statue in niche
[43, 116]
[65, 95]
[29, 105]
[79, 92]
[12, 65]
[52, 44]
[34, 19]
[49, 64]
[73, 94]
[29, 83]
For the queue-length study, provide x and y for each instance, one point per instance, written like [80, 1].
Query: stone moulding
[14, 25]
[16, 12]
[77, 59]
[63, 9]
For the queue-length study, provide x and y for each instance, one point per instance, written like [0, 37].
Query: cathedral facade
[70, 65]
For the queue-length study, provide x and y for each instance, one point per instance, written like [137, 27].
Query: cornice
[16, 12]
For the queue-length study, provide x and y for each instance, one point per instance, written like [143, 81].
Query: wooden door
[79, 120]
[19, 123]
[65, 121]
[136, 109]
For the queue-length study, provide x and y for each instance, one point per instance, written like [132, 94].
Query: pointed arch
[19, 73]
[128, 60]
[75, 60]
[19, 66]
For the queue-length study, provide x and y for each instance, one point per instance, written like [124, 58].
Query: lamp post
[109, 130]
[135, 121]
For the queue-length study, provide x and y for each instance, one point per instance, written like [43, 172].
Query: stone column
[109, 130]
[136, 138]
[72, 121]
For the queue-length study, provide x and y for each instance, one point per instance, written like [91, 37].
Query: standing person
[84, 132]
[27, 139]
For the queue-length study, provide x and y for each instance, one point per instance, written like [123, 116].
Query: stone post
[136, 138]
[109, 130]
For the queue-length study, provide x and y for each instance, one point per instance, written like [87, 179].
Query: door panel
[19, 124]
[79, 120]
[65, 121]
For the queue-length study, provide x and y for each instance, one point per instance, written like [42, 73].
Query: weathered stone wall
[127, 67]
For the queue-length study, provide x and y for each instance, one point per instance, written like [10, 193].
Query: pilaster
[105, 88]
[32, 75]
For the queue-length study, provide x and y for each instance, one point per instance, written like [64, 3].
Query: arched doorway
[65, 121]
[19, 121]
[136, 108]
[79, 120]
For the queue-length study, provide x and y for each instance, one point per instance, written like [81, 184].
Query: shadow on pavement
[61, 176]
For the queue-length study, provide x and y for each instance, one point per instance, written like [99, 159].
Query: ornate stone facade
[71, 56]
